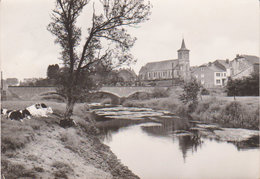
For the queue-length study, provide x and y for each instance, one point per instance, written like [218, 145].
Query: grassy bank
[40, 148]
[242, 113]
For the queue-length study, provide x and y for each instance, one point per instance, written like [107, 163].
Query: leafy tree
[190, 94]
[52, 71]
[107, 40]
[232, 88]
[248, 86]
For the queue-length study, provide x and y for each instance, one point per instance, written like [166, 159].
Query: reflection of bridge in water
[125, 91]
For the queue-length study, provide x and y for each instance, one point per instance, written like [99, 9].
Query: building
[210, 75]
[215, 74]
[176, 69]
[244, 65]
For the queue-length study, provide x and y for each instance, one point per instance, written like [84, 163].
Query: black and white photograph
[130, 89]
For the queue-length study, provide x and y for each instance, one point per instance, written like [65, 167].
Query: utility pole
[1, 81]
[172, 74]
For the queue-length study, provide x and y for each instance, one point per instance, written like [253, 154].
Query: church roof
[159, 66]
[183, 46]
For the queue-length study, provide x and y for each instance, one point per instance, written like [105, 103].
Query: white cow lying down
[39, 110]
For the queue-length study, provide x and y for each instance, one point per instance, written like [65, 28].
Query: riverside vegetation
[40, 148]
[240, 113]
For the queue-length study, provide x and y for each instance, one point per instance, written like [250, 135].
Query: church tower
[184, 62]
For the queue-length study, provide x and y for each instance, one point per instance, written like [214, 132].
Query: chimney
[227, 61]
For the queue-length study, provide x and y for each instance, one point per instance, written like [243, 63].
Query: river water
[160, 145]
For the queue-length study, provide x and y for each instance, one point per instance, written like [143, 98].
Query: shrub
[190, 95]
[204, 91]
[159, 93]
[233, 112]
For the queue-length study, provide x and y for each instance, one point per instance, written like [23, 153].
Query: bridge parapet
[125, 91]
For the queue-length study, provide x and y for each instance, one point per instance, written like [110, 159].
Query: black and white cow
[3, 111]
[26, 114]
[15, 115]
[19, 115]
[39, 110]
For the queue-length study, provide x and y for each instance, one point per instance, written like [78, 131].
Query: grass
[11, 170]
[62, 170]
[242, 113]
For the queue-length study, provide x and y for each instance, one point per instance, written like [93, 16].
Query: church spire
[183, 44]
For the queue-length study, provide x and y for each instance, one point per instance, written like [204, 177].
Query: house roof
[158, 66]
[211, 67]
[225, 63]
[216, 68]
[250, 58]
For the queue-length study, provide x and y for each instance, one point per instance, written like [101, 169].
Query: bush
[159, 93]
[248, 86]
[204, 91]
[190, 95]
[139, 96]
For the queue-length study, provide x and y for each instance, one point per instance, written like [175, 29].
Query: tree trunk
[69, 108]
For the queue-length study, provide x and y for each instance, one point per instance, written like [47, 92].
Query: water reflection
[189, 142]
[166, 146]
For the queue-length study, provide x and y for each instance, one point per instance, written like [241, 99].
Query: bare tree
[107, 40]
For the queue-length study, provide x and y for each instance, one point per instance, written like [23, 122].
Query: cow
[3, 111]
[15, 115]
[26, 114]
[40, 110]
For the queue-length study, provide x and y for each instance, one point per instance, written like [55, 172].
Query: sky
[212, 29]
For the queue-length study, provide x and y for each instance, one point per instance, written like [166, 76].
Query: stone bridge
[31, 93]
[125, 91]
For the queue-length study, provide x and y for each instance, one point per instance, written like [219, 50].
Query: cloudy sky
[212, 29]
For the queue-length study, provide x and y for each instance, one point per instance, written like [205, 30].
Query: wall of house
[205, 76]
[220, 78]
[244, 73]
[239, 65]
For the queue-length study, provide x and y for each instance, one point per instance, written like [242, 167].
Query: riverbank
[241, 113]
[40, 148]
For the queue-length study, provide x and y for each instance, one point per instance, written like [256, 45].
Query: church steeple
[183, 52]
[183, 46]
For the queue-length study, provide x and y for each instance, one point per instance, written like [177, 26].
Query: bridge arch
[125, 91]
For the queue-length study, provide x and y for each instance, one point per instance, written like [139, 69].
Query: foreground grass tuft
[10, 170]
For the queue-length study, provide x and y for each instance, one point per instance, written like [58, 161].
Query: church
[174, 70]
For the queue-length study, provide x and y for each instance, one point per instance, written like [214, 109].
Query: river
[156, 144]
